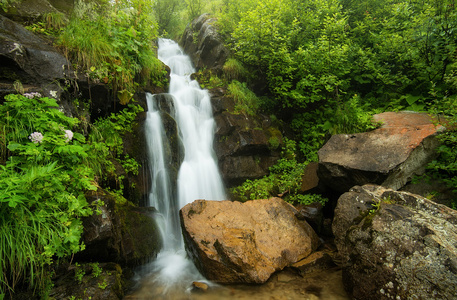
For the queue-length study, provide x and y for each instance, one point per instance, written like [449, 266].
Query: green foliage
[284, 178]
[79, 273]
[106, 138]
[51, 24]
[445, 166]
[96, 270]
[234, 70]
[348, 117]
[168, 16]
[5, 5]
[245, 100]
[42, 180]
[113, 44]
[307, 199]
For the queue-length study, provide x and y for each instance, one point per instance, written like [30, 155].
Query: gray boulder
[234, 242]
[30, 57]
[395, 245]
[389, 156]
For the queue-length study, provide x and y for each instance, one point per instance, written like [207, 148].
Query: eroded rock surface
[395, 245]
[234, 242]
[28, 58]
[203, 43]
[246, 146]
[388, 156]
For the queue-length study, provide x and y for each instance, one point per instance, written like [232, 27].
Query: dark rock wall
[204, 45]
[246, 146]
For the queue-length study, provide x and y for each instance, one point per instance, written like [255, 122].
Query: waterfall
[198, 176]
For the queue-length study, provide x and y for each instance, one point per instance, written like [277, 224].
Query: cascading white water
[198, 176]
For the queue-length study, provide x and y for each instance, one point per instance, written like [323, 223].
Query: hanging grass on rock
[113, 44]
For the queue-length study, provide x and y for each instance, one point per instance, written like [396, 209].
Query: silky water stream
[171, 274]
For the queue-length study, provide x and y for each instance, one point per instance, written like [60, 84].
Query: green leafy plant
[102, 285]
[43, 180]
[284, 178]
[106, 138]
[96, 270]
[307, 199]
[79, 273]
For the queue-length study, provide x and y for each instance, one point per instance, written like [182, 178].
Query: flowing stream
[198, 176]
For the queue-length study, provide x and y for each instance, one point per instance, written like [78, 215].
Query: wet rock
[28, 58]
[201, 286]
[234, 242]
[395, 245]
[207, 50]
[310, 180]
[29, 10]
[246, 146]
[388, 156]
[317, 261]
[313, 214]
[121, 233]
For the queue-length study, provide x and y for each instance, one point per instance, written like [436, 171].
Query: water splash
[198, 176]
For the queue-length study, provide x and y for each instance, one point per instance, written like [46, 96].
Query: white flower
[68, 135]
[32, 95]
[53, 94]
[36, 137]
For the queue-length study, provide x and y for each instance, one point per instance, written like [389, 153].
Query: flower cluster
[36, 137]
[32, 95]
[68, 135]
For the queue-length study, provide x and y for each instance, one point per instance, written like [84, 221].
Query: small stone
[200, 286]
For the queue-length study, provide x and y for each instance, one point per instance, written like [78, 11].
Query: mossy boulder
[395, 245]
[121, 232]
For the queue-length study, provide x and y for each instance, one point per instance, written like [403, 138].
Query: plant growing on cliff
[245, 100]
[42, 179]
[106, 138]
[113, 44]
[284, 179]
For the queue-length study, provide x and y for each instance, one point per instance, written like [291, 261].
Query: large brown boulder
[395, 245]
[389, 156]
[234, 242]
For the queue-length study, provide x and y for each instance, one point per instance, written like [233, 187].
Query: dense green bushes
[42, 185]
[329, 65]
[46, 168]
[316, 57]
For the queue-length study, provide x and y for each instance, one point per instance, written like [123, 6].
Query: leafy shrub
[284, 178]
[42, 180]
[106, 139]
[445, 166]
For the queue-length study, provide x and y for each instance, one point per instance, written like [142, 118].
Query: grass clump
[245, 99]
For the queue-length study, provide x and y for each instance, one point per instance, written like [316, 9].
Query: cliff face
[202, 43]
